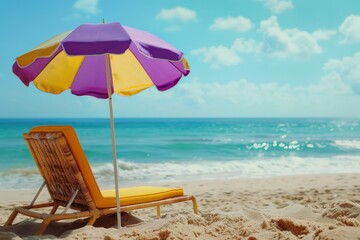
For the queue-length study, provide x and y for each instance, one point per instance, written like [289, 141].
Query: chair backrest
[56, 154]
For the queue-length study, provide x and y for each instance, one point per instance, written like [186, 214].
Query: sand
[289, 207]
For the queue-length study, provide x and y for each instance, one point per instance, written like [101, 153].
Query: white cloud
[288, 42]
[347, 68]
[180, 13]
[239, 24]
[332, 95]
[277, 6]
[328, 97]
[88, 6]
[246, 45]
[350, 29]
[217, 56]
[281, 43]
[330, 85]
[323, 34]
[194, 94]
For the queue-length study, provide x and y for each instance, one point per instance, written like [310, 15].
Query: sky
[248, 58]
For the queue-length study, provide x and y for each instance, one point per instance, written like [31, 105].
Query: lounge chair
[71, 183]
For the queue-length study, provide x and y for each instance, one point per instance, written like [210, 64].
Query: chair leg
[93, 216]
[92, 220]
[54, 208]
[158, 211]
[11, 218]
[43, 226]
[195, 205]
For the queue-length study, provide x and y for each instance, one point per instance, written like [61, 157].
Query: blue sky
[249, 58]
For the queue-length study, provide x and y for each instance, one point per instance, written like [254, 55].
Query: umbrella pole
[118, 214]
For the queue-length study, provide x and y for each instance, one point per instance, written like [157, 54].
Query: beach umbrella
[99, 60]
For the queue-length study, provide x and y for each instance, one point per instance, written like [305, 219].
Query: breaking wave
[144, 173]
[348, 144]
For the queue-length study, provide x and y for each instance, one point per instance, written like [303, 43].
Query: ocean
[162, 150]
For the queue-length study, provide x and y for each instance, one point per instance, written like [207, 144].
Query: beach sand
[289, 207]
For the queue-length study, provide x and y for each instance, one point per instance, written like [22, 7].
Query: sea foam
[147, 173]
[349, 144]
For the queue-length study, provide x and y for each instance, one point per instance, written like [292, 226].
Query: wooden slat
[58, 167]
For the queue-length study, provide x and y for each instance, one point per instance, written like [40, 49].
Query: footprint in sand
[288, 225]
[345, 221]
[345, 208]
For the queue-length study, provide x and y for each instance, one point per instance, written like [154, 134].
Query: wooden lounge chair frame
[66, 185]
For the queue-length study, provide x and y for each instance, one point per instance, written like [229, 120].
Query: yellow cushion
[143, 194]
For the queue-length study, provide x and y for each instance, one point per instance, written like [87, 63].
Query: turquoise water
[151, 150]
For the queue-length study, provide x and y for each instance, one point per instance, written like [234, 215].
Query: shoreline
[176, 182]
[133, 173]
[288, 207]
